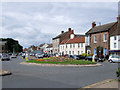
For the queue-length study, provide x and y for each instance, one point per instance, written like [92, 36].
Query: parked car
[50, 55]
[13, 56]
[10, 54]
[4, 57]
[32, 54]
[45, 55]
[89, 58]
[70, 56]
[23, 55]
[115, 59]
[80, 57]
[39, 55]
[75, 57]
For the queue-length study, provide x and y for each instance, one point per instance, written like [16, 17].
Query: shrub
[85, 54]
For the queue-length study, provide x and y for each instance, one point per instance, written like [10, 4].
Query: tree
[12, 45]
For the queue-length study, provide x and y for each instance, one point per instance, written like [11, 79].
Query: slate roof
[50, 45]
[116, 32]
[62, 34]
[101, 28]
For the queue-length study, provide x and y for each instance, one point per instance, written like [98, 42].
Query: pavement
[35, 76]
[109, 83]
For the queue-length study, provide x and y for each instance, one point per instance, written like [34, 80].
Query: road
[31, 76]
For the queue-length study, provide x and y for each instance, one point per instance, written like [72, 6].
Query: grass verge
[76, 62]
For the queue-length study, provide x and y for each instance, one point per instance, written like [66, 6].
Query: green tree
[12, 45]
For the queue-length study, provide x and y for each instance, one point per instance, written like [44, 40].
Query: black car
[46, 55]
[80, 57]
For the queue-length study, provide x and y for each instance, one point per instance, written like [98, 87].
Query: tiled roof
[100, 28]
[76, 40]
[64, 41]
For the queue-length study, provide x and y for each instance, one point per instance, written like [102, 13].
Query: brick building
[97, 39]
[58, 39]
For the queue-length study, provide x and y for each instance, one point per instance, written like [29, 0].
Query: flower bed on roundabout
[60, 60]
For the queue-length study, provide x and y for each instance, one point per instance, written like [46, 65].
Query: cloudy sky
[33, 23]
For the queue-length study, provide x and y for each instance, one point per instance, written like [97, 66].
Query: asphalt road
[31, 76]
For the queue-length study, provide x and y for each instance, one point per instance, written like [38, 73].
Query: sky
[33, 23]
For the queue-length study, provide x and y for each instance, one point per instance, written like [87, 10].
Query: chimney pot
[62, 31]
[93, 24]
[69, 29]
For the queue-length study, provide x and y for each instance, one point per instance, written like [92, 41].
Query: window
[66, 52]
[81, 44]
[66, 46]
[73, 52]
[74, 45]
[78, 52]
[114, 45]
[95, 39]
[63, 47]
[70, 45]
[70, 52]
[105, 51]
[81, 52]
[115, 38]
[78, 45]
[95, 51]
[105, 37]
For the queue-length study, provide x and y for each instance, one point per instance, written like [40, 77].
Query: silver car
[4, 57]
[115, 59]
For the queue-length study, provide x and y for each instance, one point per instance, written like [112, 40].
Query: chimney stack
[72, 32]
[72, 35]
[118, 18]
[118, 22]
[69, 29]
[62, 31]
[93, 24]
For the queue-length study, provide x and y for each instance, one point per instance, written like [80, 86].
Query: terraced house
[75, 45]
[115, 41]
[97, 39]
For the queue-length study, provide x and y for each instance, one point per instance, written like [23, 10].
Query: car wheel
[110, 61]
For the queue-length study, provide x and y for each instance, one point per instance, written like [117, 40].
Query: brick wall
[100, 42]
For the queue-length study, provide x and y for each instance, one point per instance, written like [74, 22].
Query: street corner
[109, 83]
[4, 73]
